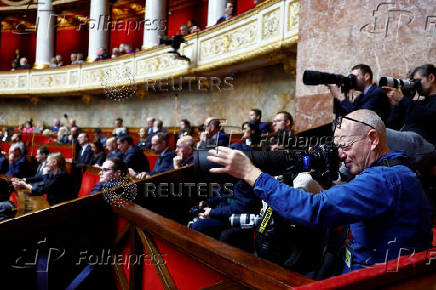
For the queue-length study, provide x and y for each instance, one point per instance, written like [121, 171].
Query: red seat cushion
[88, 182]
[13, 199]
[152, 160]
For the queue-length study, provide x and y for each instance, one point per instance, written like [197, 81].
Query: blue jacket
[58, 187]
[104, 185]
[19, 168]
[4, 164]
[85, 158]
[219, 139]
[263, 127]
[164, 162]
[135, 159]
[385, 207]
[115, 154]
[188, 160]
[375, 99]
[241, 200]
[98, 159]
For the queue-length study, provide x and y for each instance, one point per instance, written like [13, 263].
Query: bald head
[369, 117]
[361, 140]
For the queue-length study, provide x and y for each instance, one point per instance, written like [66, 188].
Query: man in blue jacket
[159, 143]
[132, 155]
[18, 165]
[371, 98]
[384, 205]
[213, 135]
[112, 173]
[84, 153]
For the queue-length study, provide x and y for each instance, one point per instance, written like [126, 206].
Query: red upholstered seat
[13, 199]
[39, 138]
[88, 181]
[152, 160]
[66, 150]
[5, 146]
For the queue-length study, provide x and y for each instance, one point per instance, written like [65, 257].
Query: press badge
[348, 257]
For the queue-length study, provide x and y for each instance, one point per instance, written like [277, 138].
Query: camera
[409, 87]
[174, 41]
[313, 78]
[324, 160]
[195, 210]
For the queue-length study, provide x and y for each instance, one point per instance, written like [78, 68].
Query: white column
[155, 17]
[45, 24]
[215, 11]
[98, 18]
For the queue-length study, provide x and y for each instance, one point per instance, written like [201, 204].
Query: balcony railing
[272, 25]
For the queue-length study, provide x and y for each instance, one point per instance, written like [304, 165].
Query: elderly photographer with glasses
[384, 206]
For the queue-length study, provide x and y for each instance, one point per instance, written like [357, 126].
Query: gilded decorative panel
[49, 81]
[8, 83]
[229, 41]
[293, 10]
[271, 24]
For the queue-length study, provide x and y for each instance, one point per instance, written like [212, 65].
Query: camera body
[195, 210]
[314, 78]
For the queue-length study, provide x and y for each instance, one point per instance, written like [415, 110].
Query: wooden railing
[144, 229]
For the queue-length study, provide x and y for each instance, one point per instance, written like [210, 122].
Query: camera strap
[394, 162]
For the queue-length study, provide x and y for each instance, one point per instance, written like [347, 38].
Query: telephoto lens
[407, 84]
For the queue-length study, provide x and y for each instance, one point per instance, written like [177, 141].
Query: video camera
[314, 78]
[174, 41]
[409, 87]
[323, 159]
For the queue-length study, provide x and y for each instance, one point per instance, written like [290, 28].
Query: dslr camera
[314, 78]
[409, 87]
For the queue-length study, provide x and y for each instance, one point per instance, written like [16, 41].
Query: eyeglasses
[344, 146]
[339, 119]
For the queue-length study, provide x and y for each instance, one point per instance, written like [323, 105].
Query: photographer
[417, 116]
[372, 97]
[384, 205]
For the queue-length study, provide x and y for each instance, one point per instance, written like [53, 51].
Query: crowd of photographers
[320, 224]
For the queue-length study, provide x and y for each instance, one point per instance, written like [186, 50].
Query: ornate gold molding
[40, 66]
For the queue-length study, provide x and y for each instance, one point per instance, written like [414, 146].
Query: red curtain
[10, 40]
[130, 32]
[70, 41]
[244, 5]
[178, 17]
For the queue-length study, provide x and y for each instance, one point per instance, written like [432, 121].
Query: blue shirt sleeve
[365, 197]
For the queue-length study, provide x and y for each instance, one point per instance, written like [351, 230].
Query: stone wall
[269, 88]
[334, 35]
